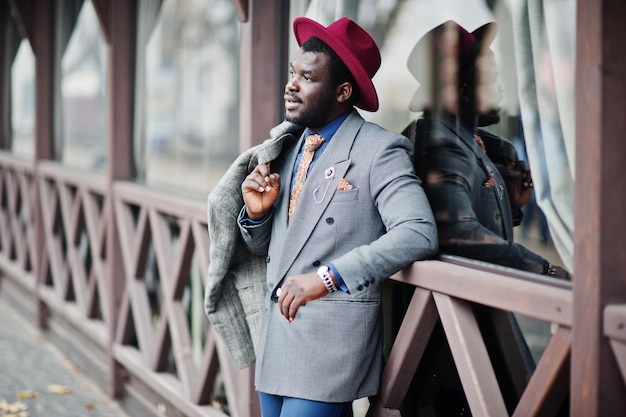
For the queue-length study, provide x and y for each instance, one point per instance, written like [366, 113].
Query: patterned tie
[480, 143]
[311, 144]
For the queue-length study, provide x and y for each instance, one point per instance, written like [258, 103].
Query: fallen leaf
[16, 409]
[89, 406]
[23, 395]
[59, 389]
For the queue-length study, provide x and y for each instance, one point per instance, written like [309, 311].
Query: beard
[316, 114]
[490, 118]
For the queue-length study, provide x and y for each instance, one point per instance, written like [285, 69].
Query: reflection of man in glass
[475, 184]
[473, 179]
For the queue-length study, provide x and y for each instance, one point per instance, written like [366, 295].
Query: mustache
[293, 96]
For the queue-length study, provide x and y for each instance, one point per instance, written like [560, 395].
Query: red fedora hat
[354, 46]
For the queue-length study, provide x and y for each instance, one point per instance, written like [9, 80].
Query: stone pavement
[37, 380]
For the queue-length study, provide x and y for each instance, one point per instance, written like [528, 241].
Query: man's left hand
[298, 290]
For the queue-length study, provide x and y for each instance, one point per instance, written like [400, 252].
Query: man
[464, 169]
[360, 216]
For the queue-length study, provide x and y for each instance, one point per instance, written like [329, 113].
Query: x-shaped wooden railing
[445, 290]
[179, 356]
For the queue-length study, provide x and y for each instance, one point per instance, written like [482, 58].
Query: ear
[344, 92]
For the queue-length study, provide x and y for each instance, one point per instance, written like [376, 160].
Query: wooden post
[5, 75]
[46, 71]
[263, 70]
[122, 22]
[597, 388]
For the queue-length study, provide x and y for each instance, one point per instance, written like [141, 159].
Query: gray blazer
[235, 286]
[332, 351]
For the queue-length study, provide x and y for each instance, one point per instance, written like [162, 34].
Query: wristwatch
[324, 273]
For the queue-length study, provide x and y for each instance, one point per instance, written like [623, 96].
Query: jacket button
[330, 220]
[316, 263]
[267, 260]
[360, 287]
[366, 283]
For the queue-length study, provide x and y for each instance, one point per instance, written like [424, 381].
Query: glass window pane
[23, 101]
[84, 94]
[189, 134]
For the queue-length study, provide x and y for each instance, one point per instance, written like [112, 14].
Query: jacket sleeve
[410, 230]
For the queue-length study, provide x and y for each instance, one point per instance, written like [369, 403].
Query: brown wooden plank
[209, 369]
[142, 317]
[470, 357]
[520, 292]
[201, 240]
[549, 384]
[408, 347]
[600, 225]
[141, 244]
[264, 40]
[69, 208]
[183, 259]
[125, 227]
[120, 30]
[43, 44]
[163, 384]
[178, 205]
[181, 340]
[96, 225]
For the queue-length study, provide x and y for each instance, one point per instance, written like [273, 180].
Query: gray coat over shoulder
[236, 287]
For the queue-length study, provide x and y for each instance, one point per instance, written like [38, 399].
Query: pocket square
[344, 185]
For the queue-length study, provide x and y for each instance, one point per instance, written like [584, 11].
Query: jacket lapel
[318, 191]
[499, 189]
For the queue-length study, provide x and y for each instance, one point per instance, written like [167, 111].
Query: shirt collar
[328, 131]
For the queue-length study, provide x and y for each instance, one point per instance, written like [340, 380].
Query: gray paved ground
[34, 373]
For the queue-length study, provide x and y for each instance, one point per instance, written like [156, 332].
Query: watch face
[323, 270]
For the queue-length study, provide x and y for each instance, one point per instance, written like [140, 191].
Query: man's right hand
[260, 191]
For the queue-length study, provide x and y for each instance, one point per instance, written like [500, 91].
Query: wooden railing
[445, 290]
[170, 355]
[162, 337]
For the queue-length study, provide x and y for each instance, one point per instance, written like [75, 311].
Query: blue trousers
[277, 406]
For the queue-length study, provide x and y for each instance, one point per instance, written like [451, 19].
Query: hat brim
[305, 28]
[486, 34]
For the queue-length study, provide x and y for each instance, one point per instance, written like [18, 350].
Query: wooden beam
[522, 293]
[263, 70]
[597, 388]
[548, 387]
[408, 348]
[470, 357]
[5, 75]
[122, 24]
